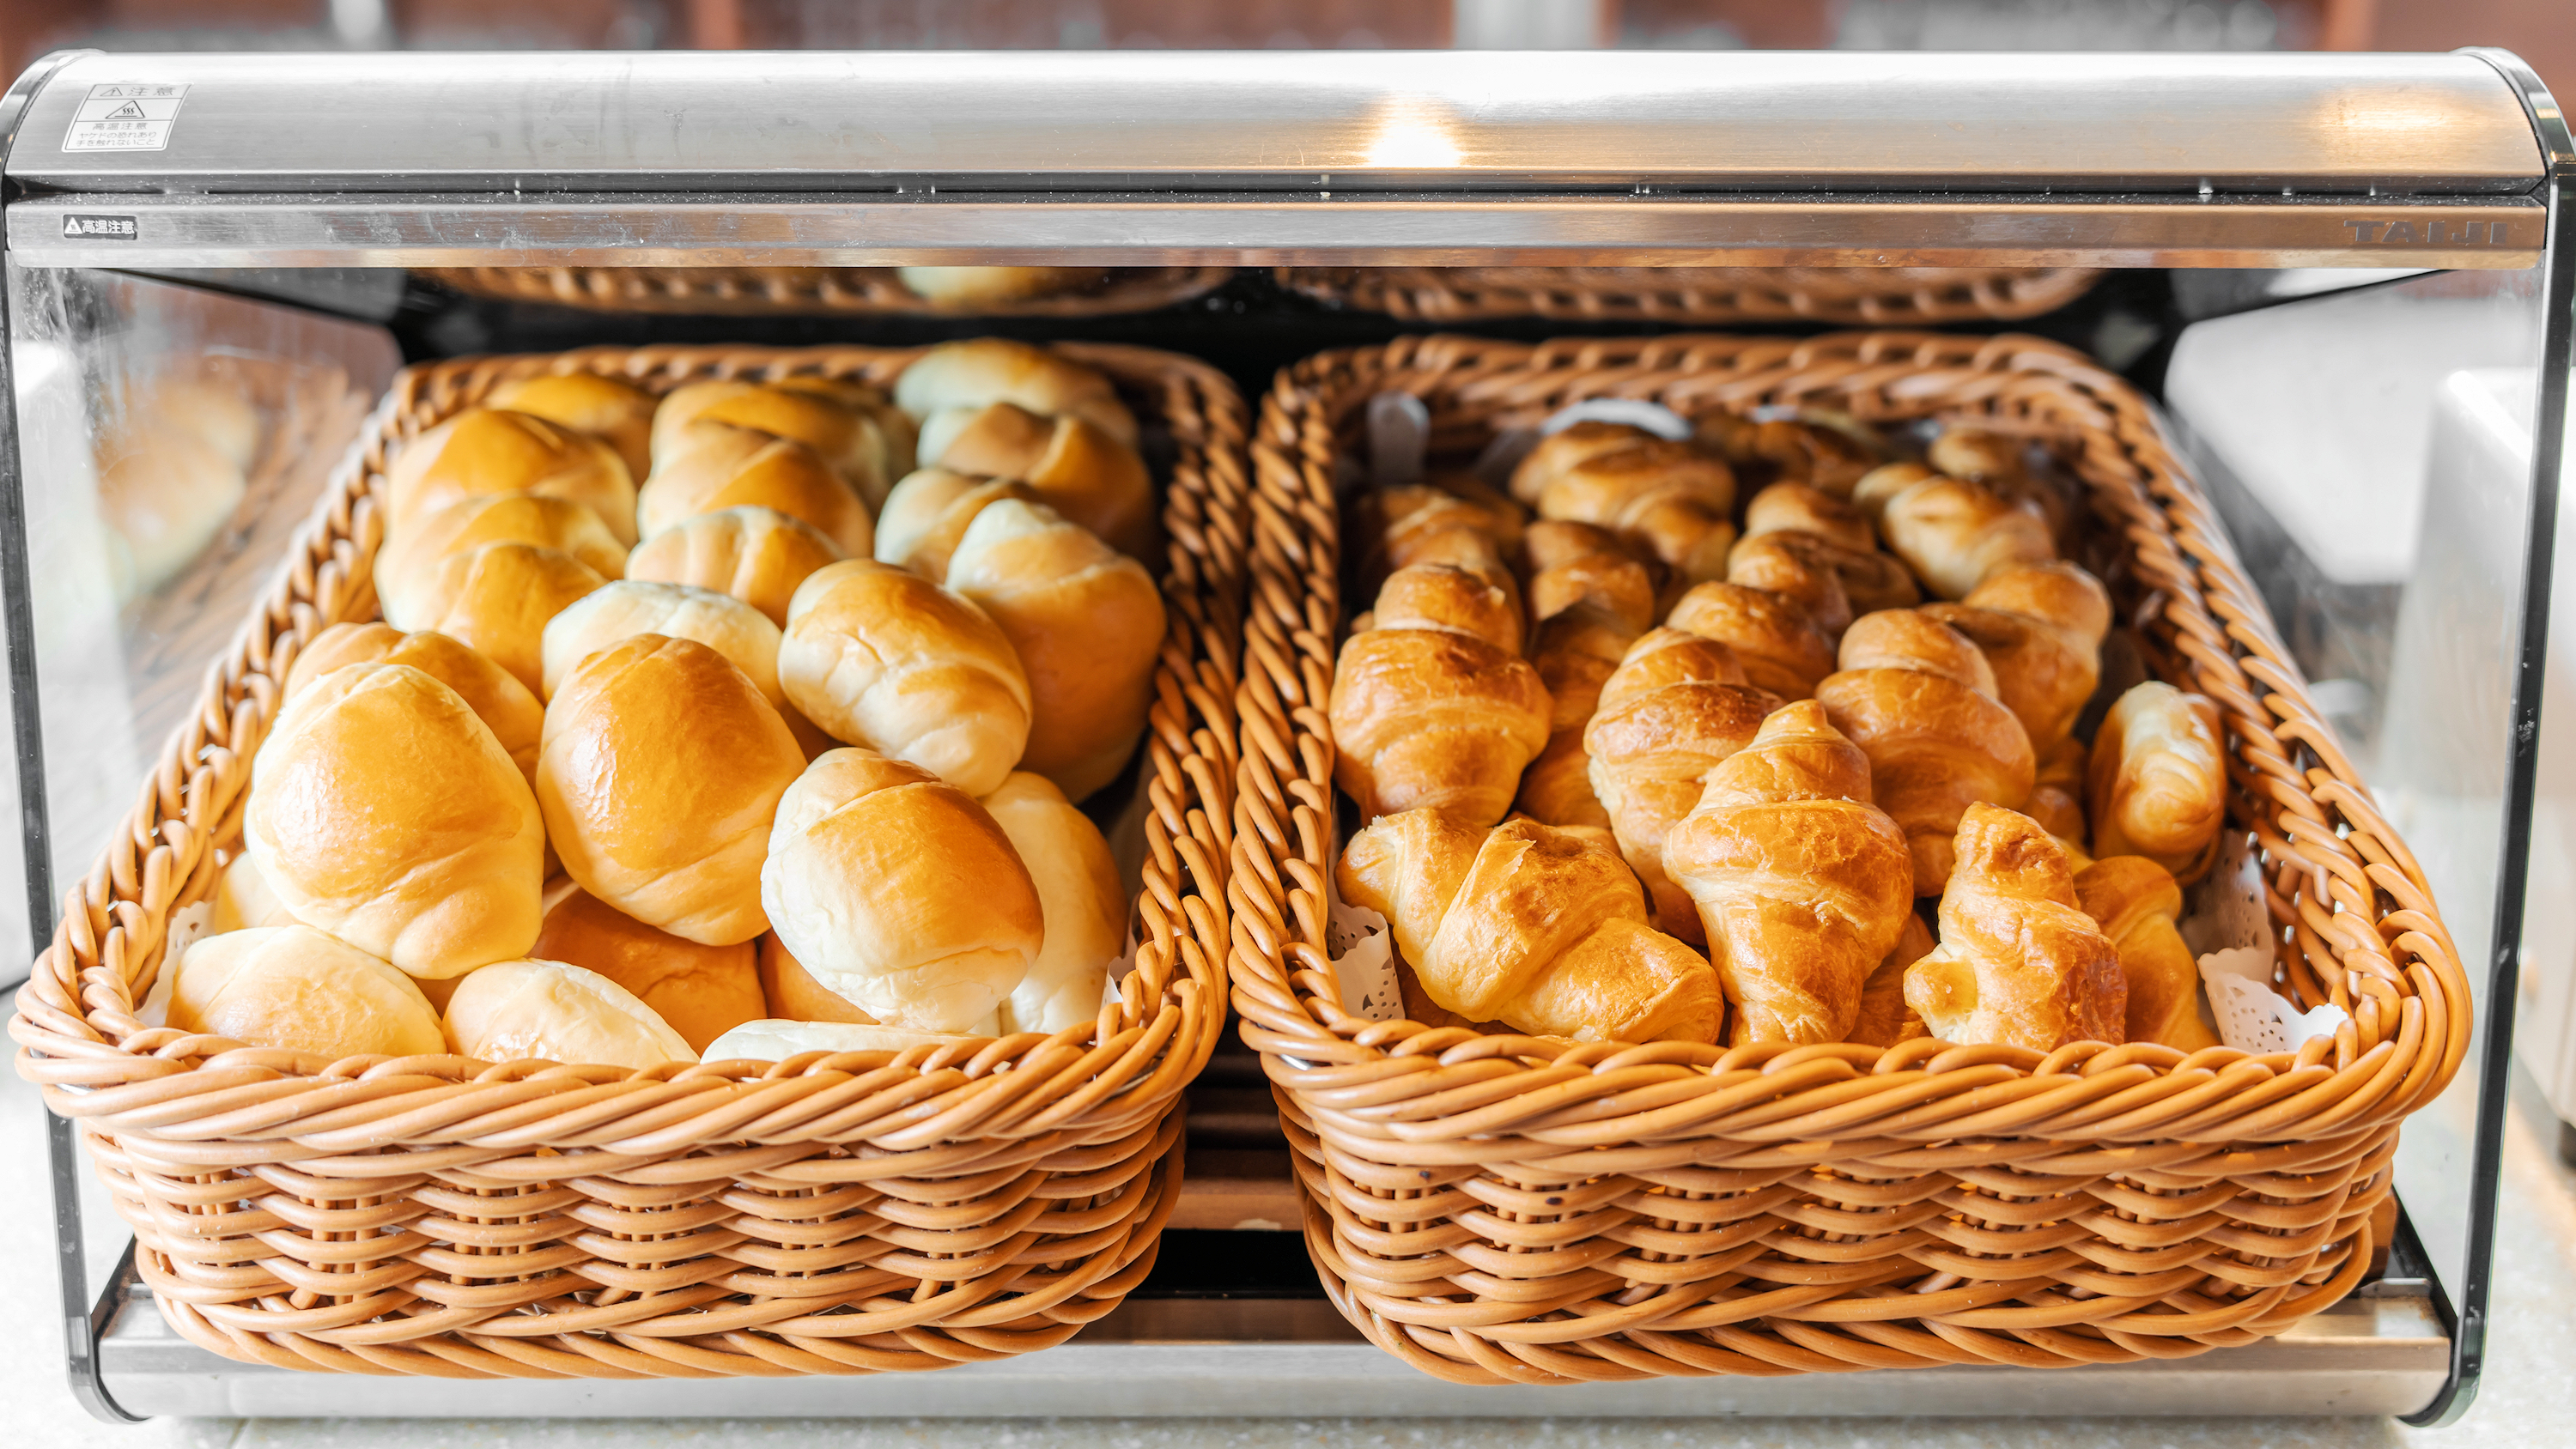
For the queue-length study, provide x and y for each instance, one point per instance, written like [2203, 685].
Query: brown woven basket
[832, 1214]
[1500, 1209]
[771, 291]
[1699, 296]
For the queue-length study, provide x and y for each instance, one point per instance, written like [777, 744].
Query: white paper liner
[1119, 967]
[1494, 466]
[1399, 436]
[188, 926]
[2252, 1017]
[1362, 950]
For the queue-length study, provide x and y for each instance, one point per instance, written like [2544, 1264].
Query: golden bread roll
[2057, 798]
[1087, 624]
[497, 600]
[1792, 566]
[496, 696]
[1568, 447]
[209, 404]
[1071, 464]
[794, 994]
[776, 1041]
[1085, 911]
[2042, 679]
[1577, 650]
[166, 493]
[557, 1012]
[848, 426]
[2020, 963]
[492, 450]
[967, 288]
[1650, 747]
[1802, 885]
[2158, 785]
[1935, 747]
[384, 812]
[1781, 649]
[2136, 902]
[1953, 533]
[1885, 1019]
[1667, 500]
[243, 899]
[296, 988]
[1536, 928]
[1574, 563]
[956, 380]
[408, 566]
[611, 409]
[630, 607]
[883, 658]
[710, 466]
[1797, 508]
[701, 992]
[928, 512]
[1435, 715]
[1917, 639]
[759, 555]
[660, 776]
[899, 893]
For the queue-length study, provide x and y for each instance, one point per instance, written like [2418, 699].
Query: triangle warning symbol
[127, 112]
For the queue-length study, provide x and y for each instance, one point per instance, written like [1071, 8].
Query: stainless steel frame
[2260, 162]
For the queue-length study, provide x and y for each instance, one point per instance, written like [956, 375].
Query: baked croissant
[1885, 1019]
[2057, 594]
[1818, 450]
[1914, 639]
[1999, 461]
[1802, 885]
[2158, 786]
[2020, 963]
[1793, 566]
[2041, 627]
[1568, 447]
[1430, 711]
[1951, 532]
[1781, 649]
[1666, 499]
[1570, 563]
[1533, 927]
[2136, 901]
[1797, 508]
[1576, 651]
[1674, 709]
[1409, 522]
[1936, 745]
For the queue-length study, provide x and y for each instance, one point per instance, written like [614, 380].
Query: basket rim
[848, 291]
[1698, 296]
[73, 1020]
[1402, 1092]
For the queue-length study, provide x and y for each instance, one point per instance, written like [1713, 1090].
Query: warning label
[125, 118]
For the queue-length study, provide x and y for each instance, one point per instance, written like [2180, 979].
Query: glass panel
[172, 444]
[2371, 452]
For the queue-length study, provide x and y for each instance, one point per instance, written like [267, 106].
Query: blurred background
[2543, 31]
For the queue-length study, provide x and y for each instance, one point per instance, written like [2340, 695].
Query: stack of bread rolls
[1767, 735]
[635, 776]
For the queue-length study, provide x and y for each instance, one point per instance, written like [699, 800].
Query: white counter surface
[2529, 1396]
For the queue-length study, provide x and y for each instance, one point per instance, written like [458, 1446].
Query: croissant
[2135, 901]
[2020, 963]
[1781, 649]
[1797, 508]
[2056, 594]
[1428, 709]
[1819, 450]
[1885, 1019]
[1952, 533]
[1536, 928]
[1576, 650]
[1801, 884]
[1674, 709]
[1418, 523]
[2057, 798]
[1914, 639]
[1669, 500]
[1570, 563]
[1567, 448]
[2041, 627]
[1999, 461]
[1936, 747]
[1792, 565]
[2158, 785]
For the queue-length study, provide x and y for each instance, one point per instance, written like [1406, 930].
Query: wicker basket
[796, 291]
[1699, 296]
[832, 1214]
[1498, 1209]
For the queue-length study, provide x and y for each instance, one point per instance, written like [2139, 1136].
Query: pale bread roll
[243, 899]
[966, 288]
[709, 466]
[850, 426]
[758, 555]
[928, 512]
[204, 407]
[558, 1012]
[1075, 466]
[899, 893]
[507, 708]
[407, 567]
[165, 493]
[955, 380]
[793, 993]
[1087, 624]
[776, 1041]
[303, 990]
[1086, 912]
[701, 991]
[630, 607]
[881, 658]
[384, 812]
[660, 774]
[490, 450]
[497, 600]
[611, 409]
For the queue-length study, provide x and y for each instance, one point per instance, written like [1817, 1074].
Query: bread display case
[2291, 333]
